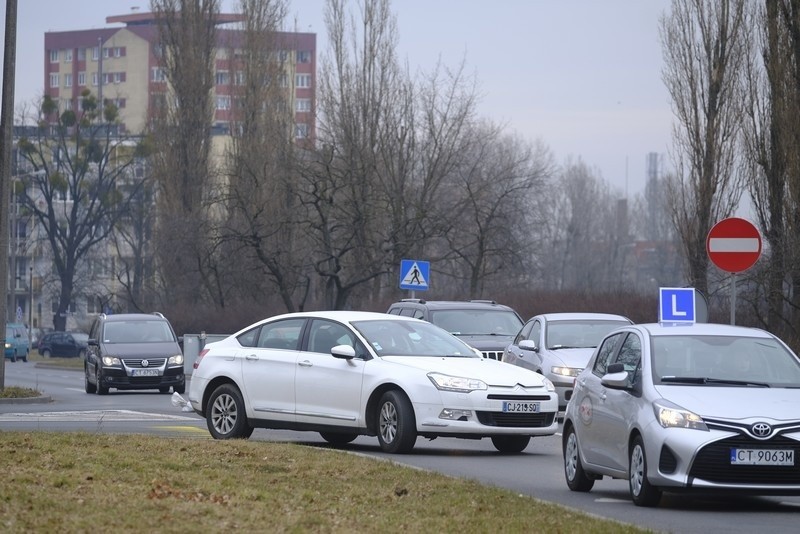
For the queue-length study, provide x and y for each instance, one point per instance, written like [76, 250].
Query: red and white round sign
[734, 244]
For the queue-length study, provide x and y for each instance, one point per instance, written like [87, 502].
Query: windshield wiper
[707, 380]
[556, 347]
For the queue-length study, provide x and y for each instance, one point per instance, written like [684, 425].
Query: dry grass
[78, 482]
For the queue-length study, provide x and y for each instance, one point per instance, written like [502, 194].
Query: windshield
[578, 334]
[411, 338]
[137, 332]
[477, 322]
[711, 359]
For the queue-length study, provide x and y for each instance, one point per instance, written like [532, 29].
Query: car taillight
[196, 363]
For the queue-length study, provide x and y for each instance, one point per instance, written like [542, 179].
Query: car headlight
[9, 345]
[111, 361]
[669, 415]
[565, 371]
[548, 384]
[175, 360]
[456, 383]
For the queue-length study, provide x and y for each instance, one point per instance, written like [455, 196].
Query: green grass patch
[78, 482]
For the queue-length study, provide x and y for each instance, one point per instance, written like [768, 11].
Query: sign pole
[733, 298]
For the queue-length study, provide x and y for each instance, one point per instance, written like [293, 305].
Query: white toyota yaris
[345, 374]
[706, 407]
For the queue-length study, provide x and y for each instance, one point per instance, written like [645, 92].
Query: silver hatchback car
[558, 345]
[673, 408]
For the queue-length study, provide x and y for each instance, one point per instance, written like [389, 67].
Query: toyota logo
[761, 430]
[145, 363]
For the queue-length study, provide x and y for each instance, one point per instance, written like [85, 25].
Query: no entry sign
[734, 244]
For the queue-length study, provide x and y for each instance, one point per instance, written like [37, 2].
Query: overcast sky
[584, 76]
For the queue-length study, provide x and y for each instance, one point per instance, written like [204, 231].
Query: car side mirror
[345, 352]
[92, 342]
[616, 377]
[528, 344]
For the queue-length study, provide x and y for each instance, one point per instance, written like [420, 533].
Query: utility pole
[6, 139]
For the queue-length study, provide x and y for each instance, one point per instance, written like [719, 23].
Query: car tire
[642, 492]
[336, 438]
[577, 479]
[163, 389]
[14, 358]
[101, 390]
[179, 389]
[396, 423]
[510, 444]
[225, 415]
[45, 353]
[25, 358]
[88, 386]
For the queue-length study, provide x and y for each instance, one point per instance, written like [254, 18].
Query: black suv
[483, 324]
[133, 351]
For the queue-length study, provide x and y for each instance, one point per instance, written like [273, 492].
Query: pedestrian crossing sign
[414, 274]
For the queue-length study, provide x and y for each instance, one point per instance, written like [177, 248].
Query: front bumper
[699, 460]
[120, 378]
[481, 414]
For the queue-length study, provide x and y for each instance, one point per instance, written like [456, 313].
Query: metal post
[30, 299]
[733, 298]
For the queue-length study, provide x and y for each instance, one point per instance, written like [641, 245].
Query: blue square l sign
[676, 305]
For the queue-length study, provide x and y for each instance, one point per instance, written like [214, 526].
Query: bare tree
[704, 52]
[181, 128]
[260, 197]
[771, 135]
[81, 187]
[498, 208]
[584, 234]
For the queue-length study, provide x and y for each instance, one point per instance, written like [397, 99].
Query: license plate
[762, 456]
[520, 407]
[144, 372]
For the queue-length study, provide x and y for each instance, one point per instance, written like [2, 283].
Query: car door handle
[305, 363]
[251, 357]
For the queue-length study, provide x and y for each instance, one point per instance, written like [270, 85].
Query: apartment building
[122, 65]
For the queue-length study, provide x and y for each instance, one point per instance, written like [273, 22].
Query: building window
[67, 80]
[118, 77]
[106, 52]
[119, 51]
[81, 54]
[304, 56]
[53, 79]
[53, 56]
[302, 80]
[159, 75]
[95, 53]
[68, 104]
[238, 77]
[301, 130]
[94, 305]
[68, 55]
[302, 104]
[222, 77]
[94, 79]
[81, 79]
[223, 102]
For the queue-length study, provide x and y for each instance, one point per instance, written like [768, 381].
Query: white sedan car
[706, 407]
[345, 374]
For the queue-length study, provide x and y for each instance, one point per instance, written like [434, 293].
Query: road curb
[44, 399]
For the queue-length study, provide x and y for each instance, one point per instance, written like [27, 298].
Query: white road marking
[93, 415]
[606, 499]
